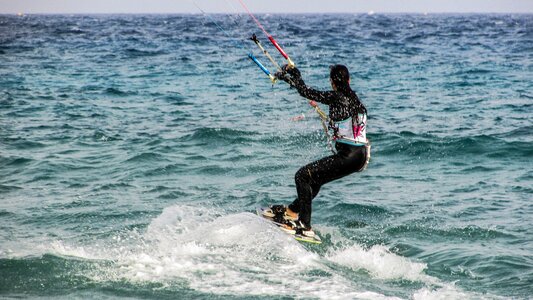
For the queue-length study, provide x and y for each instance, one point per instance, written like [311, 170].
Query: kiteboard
[302, 238]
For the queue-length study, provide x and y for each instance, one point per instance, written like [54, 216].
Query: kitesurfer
[347, 119]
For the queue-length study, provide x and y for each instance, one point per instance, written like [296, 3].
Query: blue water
[134, 150]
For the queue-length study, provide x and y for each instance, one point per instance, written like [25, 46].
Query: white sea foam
[241, 254]
[380, 263]
[449, 291]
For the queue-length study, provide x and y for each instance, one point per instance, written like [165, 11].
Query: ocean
[134, 150]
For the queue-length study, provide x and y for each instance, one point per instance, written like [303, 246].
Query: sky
[265, 6]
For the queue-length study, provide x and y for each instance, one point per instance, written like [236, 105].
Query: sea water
[134, 150]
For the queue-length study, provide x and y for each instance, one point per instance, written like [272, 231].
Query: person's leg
[311, 177]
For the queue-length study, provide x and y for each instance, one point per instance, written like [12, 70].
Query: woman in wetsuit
[347, 118]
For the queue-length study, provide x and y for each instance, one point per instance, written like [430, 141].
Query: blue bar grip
[259, 64]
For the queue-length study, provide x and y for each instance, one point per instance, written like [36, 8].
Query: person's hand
[293, 72]
[288, 74]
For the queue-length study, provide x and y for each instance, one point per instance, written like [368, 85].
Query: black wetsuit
[347, 160]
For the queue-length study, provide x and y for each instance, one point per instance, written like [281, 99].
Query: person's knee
[303, 176]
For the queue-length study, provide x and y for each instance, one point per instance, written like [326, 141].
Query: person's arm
[295, 80]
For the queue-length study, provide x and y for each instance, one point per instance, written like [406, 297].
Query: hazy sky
[258, 6]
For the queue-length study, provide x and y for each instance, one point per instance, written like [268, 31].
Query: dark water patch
[518, 150]
[112, 91]
[77, 185]
[9, 188]
[355, 215]
[15, 161]
[428, 146]
[228, 86]
[67, 126]
[457, 264]
[45, 178]
[46, 128]
[53, 166]
[68, 31]
[5, 213]
[90, 219]
[76, 203]
[90, 88]
[265, 168]
[178, 122]
[521, 189]
[17, 48]
[473, 71]
[470, 232]
[173, 195]
[505, 273]
[528, 175]
[137, 53]
[101, 136]
[20, 143]
[147, 157]
[154, 142]
[196, 157]
[68, 152]
[480, 185]
[23, 112]
[478, 169]
[471, 211]
[178, 168]
[217, 137]
[524, 131]
[158, 189]
[406, 250]
[212, 169]
[525, 95]
[355, 224]
[232, 156]
[292, 139]
[113, 186]
[130, 32]
[46, 275]
[175, 99]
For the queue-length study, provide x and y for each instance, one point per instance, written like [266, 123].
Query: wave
[355, 215]
[135, 53]
[118, 92]
[112, 187]
[15, 161]
[175, 99]
[206, 252]
[147, 157]
[24, 144]
[210, 252]
[430, 146]
[68, 31]
[218, 136]
[469, 232]
[380, 263]
[8, 188]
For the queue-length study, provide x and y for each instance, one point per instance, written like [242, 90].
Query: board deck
[315, 240]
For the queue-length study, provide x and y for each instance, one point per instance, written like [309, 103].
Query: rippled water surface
[134, 150]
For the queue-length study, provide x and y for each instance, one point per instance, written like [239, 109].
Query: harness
[351, 131]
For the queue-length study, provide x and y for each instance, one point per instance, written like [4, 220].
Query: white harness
[351, 131]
